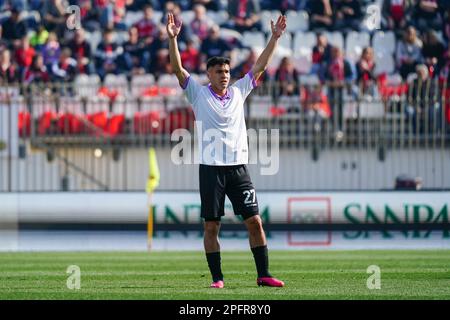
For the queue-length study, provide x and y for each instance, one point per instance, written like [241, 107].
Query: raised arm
[264, 59]
[173, 30]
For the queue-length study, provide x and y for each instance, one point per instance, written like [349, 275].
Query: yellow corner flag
[153, 171]
[152, 184]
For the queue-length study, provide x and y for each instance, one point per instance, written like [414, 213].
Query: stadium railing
[120, 115]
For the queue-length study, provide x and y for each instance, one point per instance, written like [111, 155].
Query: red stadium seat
[109, 93]
[150, 91]
[45, 122]
[99, 120]
[69, 123]
[178, 119]
[24, 124]
[147, 122]
[386, 91]
[116, 125]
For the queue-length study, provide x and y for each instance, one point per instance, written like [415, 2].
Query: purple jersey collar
[223, 99]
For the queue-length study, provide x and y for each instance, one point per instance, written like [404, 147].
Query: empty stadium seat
[266, 16]
[140, 82]
[219, 17]
[285, 42]
[255, 40]
[384, 42]
[303, 61]
[187, 16]
[200, 78]
[117, 82]
[86, 86]
[384, 63]
[289, 102]
[298, 21]
[259, 106]
[304, 40]
[94, 38]
[335, 38]
[309, 80]
[355, 42]
[131, 17]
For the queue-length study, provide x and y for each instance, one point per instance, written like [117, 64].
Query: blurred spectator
[90, 15]
[338, 74]
[8, 71]
[396, 13]
[36, 72]
[365, 72]
[425, 111]
[427, 15]
[286, 78]
[65, 68]
[14, 28]
[54, 16]
[159, 43]
[315, 104]
[175, 9]
[320, 14]
[213, 46]
[190, 58]
[409, 52]
[81, 52]
[320, 55]
[285, 5]
[51, 50]
[39, 38]
[245, 66]
[243, 15]
[444, 73]
[135, 57]
[146, 27]
[200, 25]
[137, 5]
[160, 63]
[446, 26]
[107, 55]
[24, 54]
[348, 14]
[214, 5]
[433, 52]
[111, 13]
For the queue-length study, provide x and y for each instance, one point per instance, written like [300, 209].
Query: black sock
[262, 261]
[214, 265]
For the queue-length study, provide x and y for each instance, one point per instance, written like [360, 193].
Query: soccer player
[219, 108]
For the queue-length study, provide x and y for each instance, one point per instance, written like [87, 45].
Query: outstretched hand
[173, 27]
[279, 27]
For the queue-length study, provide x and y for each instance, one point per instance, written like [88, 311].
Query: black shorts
[233, 181]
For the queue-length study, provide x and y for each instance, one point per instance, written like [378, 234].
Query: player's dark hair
[213, 61]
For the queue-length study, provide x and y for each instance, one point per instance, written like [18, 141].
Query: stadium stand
[106, 94]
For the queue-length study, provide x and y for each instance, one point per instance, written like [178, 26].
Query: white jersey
[221, 129]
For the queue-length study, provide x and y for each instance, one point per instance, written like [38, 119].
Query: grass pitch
[405, 274]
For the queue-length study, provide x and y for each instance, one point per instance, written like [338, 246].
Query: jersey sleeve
[246, 84]
[191, 89]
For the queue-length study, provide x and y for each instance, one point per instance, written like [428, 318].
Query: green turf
[405, 274]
